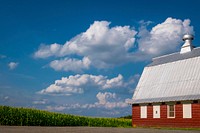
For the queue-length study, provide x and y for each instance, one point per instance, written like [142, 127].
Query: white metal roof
[173, 80]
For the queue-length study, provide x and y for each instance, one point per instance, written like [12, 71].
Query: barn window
[187, 111]
[171, 111]
[156, 111]
[143, 111]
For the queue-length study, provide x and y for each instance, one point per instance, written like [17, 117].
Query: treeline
[126, 117]
[31, 117]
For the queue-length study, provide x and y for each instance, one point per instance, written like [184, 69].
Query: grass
[31, 117]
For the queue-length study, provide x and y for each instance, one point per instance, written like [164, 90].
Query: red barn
[168, 92]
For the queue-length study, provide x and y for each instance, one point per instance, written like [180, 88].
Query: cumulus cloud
[111, 105]
[13, 65]
[106, 46]
[69, 64]
[103, 45]
[109, 101]
[106, 100]
[78, 83]
[114, 82]
[163, 38]
[96, 85]
[102, 97]
[48, 50]
[55, 89]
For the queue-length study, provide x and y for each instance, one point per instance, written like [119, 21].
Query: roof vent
[187, 46]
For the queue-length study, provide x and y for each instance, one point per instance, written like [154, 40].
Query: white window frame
[143, 111]
[156, 111]
[168, 111]
[187, 110]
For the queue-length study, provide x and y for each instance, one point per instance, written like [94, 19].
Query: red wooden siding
[178, 121]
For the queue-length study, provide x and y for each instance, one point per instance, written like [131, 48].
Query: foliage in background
[126, 117]
[31, 117]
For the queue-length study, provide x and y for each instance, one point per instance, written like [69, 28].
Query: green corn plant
[31, 117]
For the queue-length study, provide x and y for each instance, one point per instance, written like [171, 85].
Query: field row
[32, 117]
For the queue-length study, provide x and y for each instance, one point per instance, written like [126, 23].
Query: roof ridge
[163, 56]
[171, 54]
[175, 57]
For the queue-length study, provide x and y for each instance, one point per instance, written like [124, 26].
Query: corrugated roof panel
[175, 80]
[197, 66]
[193, 69]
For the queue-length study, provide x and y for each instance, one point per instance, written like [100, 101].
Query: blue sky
[85, 57]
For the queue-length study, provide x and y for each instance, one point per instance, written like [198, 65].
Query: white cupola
[187, 46]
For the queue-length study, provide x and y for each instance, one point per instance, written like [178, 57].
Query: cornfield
[31, 117]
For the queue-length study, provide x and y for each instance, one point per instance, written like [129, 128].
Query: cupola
[187, 46]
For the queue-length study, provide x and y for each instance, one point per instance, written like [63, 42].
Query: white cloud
[105, 100]
[163, 38]
[78, 83]
[109, 101]
[106, 46]
[55, 89]
[114, 82]
[40, 102]
[48, 50]
[128, 101]
[103, 45]
[13, 65]
[68, 64]
[111, 105]
[56, 108]
[102, 97]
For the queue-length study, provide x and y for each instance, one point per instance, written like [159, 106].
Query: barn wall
[178, 121]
